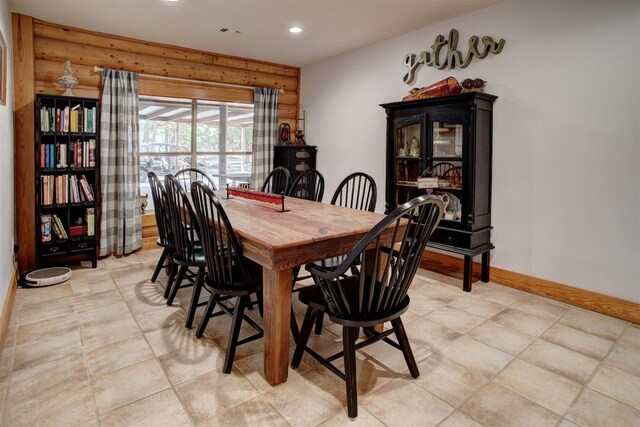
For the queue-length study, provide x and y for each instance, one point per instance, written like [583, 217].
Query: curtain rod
[97, 69]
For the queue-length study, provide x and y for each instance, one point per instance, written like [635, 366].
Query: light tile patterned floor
[104, 349]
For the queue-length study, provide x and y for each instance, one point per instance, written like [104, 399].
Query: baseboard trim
[7, 307]
[611, 306]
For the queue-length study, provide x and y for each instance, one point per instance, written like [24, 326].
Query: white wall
[6, 164]
[566, 180]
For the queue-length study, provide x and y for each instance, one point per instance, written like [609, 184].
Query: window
[179, 133]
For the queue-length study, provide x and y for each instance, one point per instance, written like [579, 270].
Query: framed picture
[284, 134]
[3, 70]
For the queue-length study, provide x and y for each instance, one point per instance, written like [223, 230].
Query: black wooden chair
[188, 253]
[188, 175]
[309, 186]
[277, 181]
[229, 274]
[356, 191]
[165, 238]
[376, 295]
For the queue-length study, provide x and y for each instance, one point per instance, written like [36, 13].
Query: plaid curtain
[265, 133]
[120, 223]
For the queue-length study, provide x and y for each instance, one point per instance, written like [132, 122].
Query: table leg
[277, 315]
[468, 273]
[484, 275]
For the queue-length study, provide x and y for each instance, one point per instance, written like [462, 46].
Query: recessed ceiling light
[295, 30]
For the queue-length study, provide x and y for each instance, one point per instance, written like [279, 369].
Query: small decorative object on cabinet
[448, 86]
[284, 134]
[67, 155]
[295, 158]
[67, 81]
[454, 163]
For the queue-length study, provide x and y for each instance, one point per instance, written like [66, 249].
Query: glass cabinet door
[408, 158]
[446, 168]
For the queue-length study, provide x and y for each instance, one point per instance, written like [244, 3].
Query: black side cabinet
[443, 146]
[295, 158]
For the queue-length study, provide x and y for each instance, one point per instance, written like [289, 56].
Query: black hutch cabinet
[443, 146]
[296, 158]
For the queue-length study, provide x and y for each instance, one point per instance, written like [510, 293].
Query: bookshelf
[66, 168]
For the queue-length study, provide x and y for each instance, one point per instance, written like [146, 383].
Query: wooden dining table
[279, 241]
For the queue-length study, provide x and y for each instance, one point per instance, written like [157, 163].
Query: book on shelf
[92, 153]
[74, 124]
[57, 158]
[89, 219]
[43, 155]
[78, 154]
[91, 117]
[45, 227]
[58, 228]
[87, 189]
[63, 156]
[65, 115]
[47, 189]
[61, 192]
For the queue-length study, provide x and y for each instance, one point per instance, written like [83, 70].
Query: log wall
[40, 49]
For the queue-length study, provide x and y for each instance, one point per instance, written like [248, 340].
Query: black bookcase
[67, 179]
[443, 146]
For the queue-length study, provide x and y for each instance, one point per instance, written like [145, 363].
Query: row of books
[82, 154]
[51, 225]
[57, 189]
[68, 119]
[80, 190]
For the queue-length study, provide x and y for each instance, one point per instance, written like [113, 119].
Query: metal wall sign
[436, 57]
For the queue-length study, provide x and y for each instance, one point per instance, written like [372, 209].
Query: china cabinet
[443, 146]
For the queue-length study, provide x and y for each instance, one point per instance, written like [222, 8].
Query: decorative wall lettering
[452, 57]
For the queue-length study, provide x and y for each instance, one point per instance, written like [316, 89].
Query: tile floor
[104, 349]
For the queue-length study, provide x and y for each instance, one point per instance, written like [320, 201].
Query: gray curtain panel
[265, 133]
[120, 224]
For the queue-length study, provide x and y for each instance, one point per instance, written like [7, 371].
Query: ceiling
[330, 27]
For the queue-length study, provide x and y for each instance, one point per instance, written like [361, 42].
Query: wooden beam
[126, 44]
[57, 50]
[24, 137]
[604, 304]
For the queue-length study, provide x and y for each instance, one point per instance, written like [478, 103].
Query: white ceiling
[330, 27]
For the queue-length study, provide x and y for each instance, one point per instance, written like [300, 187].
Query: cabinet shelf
[408, 185]
[446, 158]
[457, 189]
[54, 242]
[55, 206]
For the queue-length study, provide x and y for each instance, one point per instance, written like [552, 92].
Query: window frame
[192, 150]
